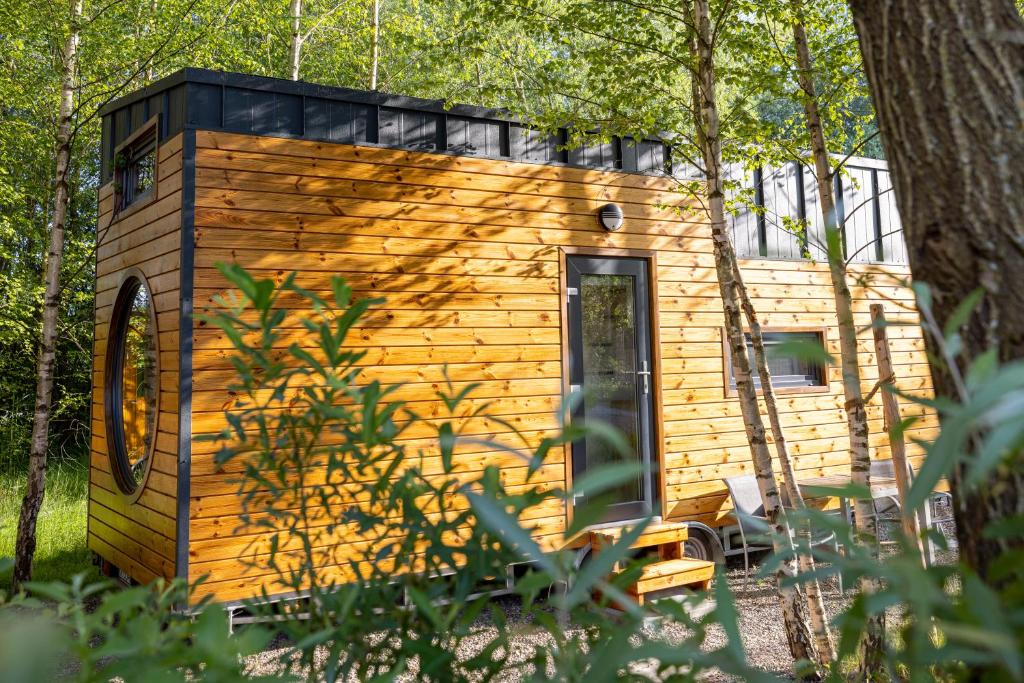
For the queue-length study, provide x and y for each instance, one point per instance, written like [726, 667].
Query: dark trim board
[257, 105]
[188, 201]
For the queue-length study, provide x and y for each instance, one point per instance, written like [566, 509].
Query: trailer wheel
[703, 544]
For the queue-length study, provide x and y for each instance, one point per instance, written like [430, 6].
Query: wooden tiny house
[485, 240]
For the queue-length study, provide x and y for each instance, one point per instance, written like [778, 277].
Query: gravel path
[757, 603]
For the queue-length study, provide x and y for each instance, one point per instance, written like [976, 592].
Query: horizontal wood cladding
[465, 252]
[139, 536]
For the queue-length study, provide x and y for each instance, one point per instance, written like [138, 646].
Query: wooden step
[675, 573]
[668, 533]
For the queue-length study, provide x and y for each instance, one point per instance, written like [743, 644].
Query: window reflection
[138, 385]
[609, 370]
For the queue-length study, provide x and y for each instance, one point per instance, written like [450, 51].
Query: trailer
[531, 269]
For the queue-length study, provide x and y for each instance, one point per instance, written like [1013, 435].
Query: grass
[60, 536]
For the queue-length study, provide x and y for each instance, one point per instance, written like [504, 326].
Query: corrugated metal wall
[866, 208]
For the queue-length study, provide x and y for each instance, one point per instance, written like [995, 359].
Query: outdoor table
[881, 487]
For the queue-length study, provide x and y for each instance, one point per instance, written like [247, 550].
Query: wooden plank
[433, 191]
[427, 264]
[353, 169]
[214, 198]
[138, 535]
[519, 172]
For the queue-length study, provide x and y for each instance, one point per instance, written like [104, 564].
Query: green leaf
[605, 477]
[507, 527]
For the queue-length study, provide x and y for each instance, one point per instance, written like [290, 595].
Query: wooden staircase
[672, 570]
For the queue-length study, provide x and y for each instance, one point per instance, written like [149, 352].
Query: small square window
[135, 167]
[790, 369]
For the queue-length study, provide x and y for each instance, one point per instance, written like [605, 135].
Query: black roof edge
[281, 85]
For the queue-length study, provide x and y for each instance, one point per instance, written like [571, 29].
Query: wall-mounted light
[610, 216]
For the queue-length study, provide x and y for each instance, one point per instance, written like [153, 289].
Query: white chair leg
[839, 575]
[746, 560]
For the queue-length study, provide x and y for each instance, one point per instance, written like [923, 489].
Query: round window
[131, 388]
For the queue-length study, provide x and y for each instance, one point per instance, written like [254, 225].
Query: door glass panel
[609, 348]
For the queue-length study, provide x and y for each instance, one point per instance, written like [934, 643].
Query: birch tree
[795, 64]
[90, 76]
[650, 68]
[374, 42]
[295, 39]
[25, 545]
[801, 643]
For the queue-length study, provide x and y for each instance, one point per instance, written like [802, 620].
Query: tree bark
[295, 43]
[374, 43]
[824, 643]
[856, 412]
[947, 82]
[798, 633]
[25, 545]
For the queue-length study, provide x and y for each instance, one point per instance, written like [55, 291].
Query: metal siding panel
[578, 155]
[419, 130]
[629, 150]
[390, 127]
[106, 144]
[317, 118]
[176, 110]
[264, 111]
[492, 138]
[204, 105]
[364, 123]
[155, 106]
[288, 114]
[817, 241]
[895, 246]
[237, 110]
[138, 115]
[651, 156]
[532, 145]
[858, 214]
[458, 139]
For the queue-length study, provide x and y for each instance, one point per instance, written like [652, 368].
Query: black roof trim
[201, 99]
[330, 92]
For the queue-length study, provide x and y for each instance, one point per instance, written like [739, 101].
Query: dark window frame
[820, 384]
[113, 398]
[141, 144]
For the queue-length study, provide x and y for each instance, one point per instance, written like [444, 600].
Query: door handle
[646, 374]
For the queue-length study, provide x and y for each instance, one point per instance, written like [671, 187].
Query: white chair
[751, 520]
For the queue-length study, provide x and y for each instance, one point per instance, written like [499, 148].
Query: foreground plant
[387, 525]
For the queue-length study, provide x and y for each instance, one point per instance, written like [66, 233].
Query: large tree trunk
[295, 40]
[815, 603]
[856, 412]
[25, 545]
[947, 81]
[374, 43]
[798, 633]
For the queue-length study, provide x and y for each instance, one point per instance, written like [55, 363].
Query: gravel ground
[761, 624]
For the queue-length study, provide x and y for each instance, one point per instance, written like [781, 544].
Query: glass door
[610, 366]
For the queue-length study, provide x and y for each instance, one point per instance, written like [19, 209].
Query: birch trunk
[823, 640]
[152, 26]
[295, 43]
[798, 633]
[856, 412]
[951, 127]
[25, 545]
[374, 43]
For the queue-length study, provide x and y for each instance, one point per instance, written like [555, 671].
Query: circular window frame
[131, 280]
